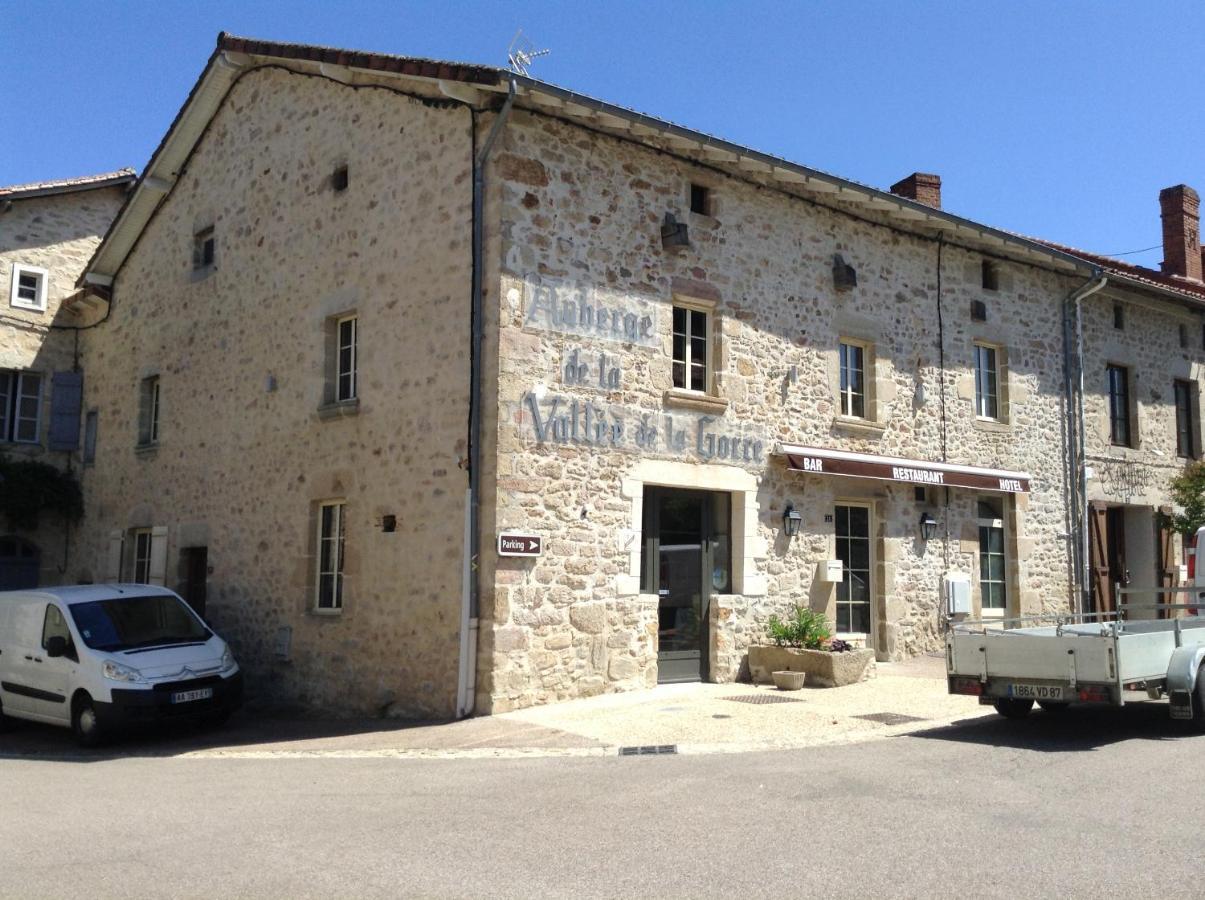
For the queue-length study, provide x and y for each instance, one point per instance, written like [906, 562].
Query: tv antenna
[521, 53]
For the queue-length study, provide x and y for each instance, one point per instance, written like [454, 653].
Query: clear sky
[1056, 119]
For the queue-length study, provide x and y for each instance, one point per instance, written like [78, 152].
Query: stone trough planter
[824, 669]
[789, 681]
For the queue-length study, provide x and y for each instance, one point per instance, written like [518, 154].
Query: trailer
[1094, 658]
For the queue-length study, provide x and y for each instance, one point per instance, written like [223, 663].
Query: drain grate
[764, 698]
[649, 750]
[889, 718]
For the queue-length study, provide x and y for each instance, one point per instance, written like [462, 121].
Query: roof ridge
[82, 181]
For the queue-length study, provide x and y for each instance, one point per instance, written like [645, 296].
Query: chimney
[1179, 207]
[921, 187]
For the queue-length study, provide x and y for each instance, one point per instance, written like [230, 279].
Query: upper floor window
[20, 406]
[691, 341]
[29, 288]
[1186, 424]
[148, 412]
[1120, 430]
[345, 364]
[987, 395]
[1119, 316]
[204, 249]
[331, 531]
[700, 199]
[852, 360]
[990, 276]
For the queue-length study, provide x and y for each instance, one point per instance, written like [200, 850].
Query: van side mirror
[56, 646]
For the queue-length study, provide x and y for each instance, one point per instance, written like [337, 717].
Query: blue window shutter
[66, 400]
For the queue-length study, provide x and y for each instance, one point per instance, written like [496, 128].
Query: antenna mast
[521, 53]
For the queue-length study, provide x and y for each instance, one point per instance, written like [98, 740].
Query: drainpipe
[471, 597]
[1079, 472]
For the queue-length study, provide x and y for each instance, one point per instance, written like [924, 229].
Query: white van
[98, 657]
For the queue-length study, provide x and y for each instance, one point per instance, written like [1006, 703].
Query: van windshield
[124, 623]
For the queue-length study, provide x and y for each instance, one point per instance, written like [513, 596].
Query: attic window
[990, 276]
[700, 199]
[339, 178]
[203, 249]
[1119, 319]
[1183, 336]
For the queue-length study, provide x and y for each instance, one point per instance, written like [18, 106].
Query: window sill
[696, 400]
[25, 308]
[201, 274]
[146, 449]
[859, 426]
[992, 425]
[339, 409]
[326, 613]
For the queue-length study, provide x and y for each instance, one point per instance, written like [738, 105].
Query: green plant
[1188, 493]
[28, 487]
[802, 628]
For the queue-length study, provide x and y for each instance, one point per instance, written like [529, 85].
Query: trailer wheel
[1056, 707]
[1013, 708]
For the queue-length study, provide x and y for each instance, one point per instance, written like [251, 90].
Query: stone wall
[57, 233]
[580, 215]
[248, 443]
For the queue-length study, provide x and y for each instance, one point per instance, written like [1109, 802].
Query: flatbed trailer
[1095, 658]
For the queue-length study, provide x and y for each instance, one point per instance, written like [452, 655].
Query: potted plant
[803, 642]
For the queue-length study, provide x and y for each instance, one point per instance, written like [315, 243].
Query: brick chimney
[1179, 207]
[921, 187]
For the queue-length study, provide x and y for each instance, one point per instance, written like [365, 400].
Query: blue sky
[1061, 120]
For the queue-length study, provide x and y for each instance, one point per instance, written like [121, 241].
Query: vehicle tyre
[85, 723]
[1057, 707]
[1013, 708]
[7, 723]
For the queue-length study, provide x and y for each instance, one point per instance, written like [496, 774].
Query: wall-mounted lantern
[928, 527]
[791, 520]
[845, 276]
[674, 233]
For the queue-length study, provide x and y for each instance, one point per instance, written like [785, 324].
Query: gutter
[1078, 480]
[466, 690]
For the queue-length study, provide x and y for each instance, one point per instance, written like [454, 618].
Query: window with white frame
[142, 556]
[20, 406]
[346, 352]
[29, 288]
[852, 361]
[331, 529]
[148, 412]
[987, 396]
[993, 590]
[692, 333]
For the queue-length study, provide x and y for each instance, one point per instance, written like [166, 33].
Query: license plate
[189, 696]
[1036, 691]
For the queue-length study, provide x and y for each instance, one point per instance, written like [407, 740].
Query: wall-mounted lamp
[845, 276]
[791, 520]
[928, 527]
[674, 233]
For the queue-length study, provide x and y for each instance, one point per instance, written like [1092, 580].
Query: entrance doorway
[194, 589]
[19, 564]
[686, 557]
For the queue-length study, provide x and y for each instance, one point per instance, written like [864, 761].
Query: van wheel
[1013, 707]
[1053, 706]
[7, 723]
[84, 722]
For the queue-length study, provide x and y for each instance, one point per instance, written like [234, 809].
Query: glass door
[853, 549]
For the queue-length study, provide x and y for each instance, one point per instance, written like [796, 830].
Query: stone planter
[788, 680]
[824, 669]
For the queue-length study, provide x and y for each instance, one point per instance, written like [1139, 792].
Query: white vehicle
[1088, 658]
[96, 658]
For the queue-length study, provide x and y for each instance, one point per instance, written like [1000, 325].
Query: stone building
[444, 389]
[48, 231]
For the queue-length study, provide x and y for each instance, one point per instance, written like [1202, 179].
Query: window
[339, 178]
[330, 556]
[345, 374]
[20, 406]
[690, 348]
[142, 556]
[1185, 420]
[148, 412]
[853, 380]
[700, 199]
[91, 421]
[1120, 432]
[987, 399]
[54, 625]
[1119, 319]
[853, 549]
[1183, 336]
[28, 288]
[203, 249]
[992, 579]
[990, 276]
[978, 311]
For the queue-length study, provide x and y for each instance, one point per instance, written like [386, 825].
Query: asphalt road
[1085, 804]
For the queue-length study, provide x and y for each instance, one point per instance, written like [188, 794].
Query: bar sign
[511, 544]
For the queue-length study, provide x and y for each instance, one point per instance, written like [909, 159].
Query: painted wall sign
[906, 470]
[589, 311]
[512, 544]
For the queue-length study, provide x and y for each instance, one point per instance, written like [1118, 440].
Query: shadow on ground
[1074, 730]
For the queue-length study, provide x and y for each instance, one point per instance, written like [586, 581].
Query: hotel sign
[856, 465]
